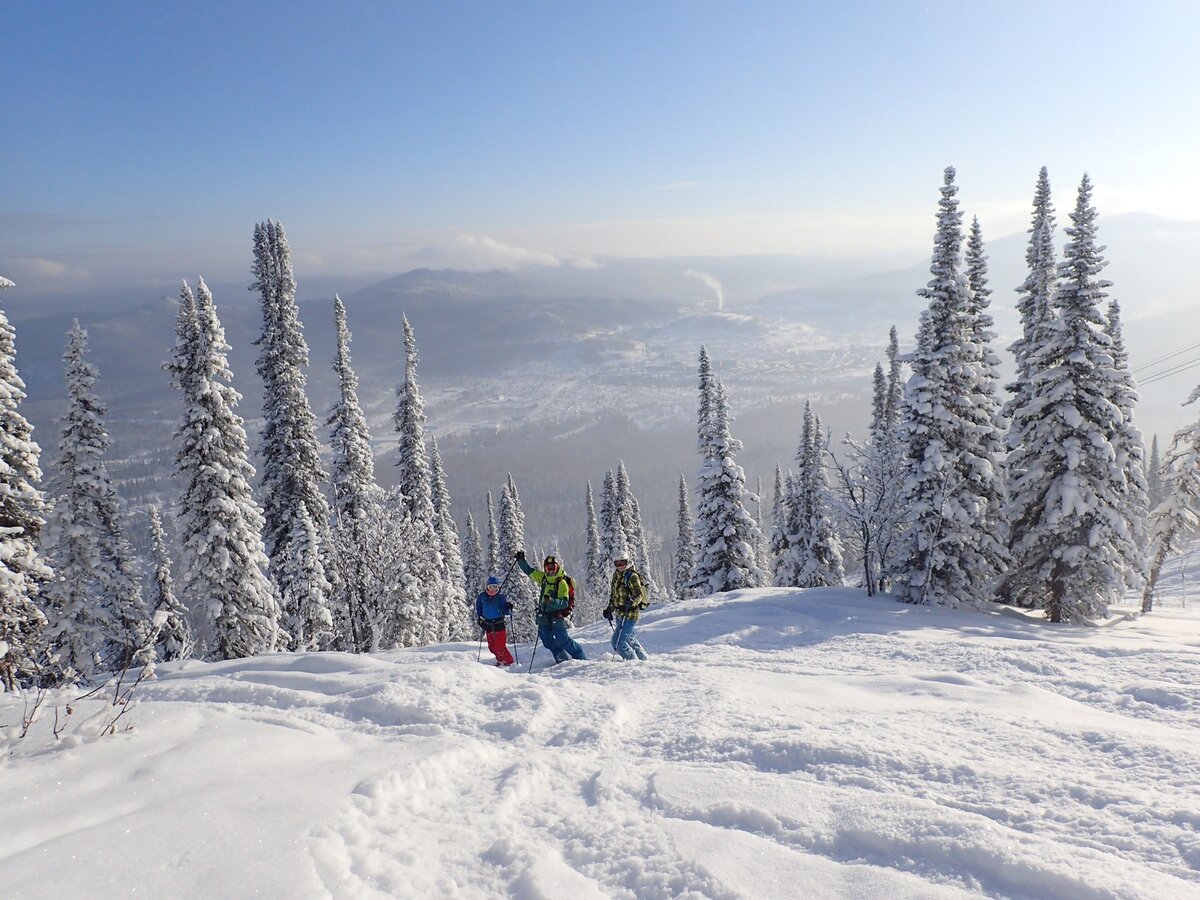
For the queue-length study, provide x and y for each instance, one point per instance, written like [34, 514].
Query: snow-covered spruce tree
[761, 551]
[1177, 515]
[474, 571]
[1073, 550]
[98, 620]
[1035, 304]
[596, 580]
[779, 529]
[169, 617]
[414, 483]
[1154, 474]
[1129, 446]
[291, 466]
[22, 515]
[520, 590]
[635, 534]
[814, 552]
[953, 551]
[685, 544]
[220, 526]
[494, 563]
[454, 619]
[355, 496]
[306, 597]
[725, 530]
[612, 535]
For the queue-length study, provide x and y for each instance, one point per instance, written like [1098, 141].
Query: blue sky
[143, 140]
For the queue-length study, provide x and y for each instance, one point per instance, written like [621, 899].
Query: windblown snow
[778, 743]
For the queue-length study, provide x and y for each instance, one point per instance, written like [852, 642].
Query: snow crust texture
[778, 743]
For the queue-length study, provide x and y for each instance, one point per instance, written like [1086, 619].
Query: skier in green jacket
[553, 607]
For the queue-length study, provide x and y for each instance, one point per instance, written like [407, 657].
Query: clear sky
[143, 140]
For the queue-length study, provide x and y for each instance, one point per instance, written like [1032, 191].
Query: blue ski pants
[553, 635]
[624, 639]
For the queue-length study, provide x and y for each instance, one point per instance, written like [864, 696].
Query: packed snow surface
[778, 743]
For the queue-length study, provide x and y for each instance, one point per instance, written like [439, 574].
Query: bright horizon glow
[144, 140]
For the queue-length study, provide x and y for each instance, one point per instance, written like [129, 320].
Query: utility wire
[1155, 362]
[1181, 367]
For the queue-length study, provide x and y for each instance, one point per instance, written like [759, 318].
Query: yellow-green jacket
[554, 594]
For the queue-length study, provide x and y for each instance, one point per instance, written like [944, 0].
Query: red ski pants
[498, 644]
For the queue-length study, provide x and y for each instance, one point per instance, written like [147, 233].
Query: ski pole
[536, 636]
[512, 632]
[479, 652]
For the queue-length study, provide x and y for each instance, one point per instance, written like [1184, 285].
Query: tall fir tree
[1073, 549]
[220, 526]
[292, 476]
[520, 590]
[454, 624]
[474, 568]
[814, 551]
[98, 619]
[22, 515]
[414, 493]
[1154, 474]
[494, 562]
[685, 545]
[597, 581]
[355, 498]
[949, 555]
[1035, 304]
[613, 540]
[725, 530]
[306, 597]
[779, 528]
[169, 617]
[1129, 446]
[635, 533]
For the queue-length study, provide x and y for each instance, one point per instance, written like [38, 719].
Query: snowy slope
[777, 744]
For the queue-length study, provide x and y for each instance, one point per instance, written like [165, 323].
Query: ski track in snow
[777, 744]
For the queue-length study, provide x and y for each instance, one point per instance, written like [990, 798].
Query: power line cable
[1161, 359]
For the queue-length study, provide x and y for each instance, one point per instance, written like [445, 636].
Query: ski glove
[481, 621]
[608, 614]
[520, 554]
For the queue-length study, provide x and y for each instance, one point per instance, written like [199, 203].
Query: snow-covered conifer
[1073, 548]
[1154, 474]
[291, 467]
[635, 533]
[306, 597]
[597, 581]
[355, 495]
[220, 526]
[1036, 307]
[98, 620]
[725, 530]
[454, 624]
[952, 552]
[814, 551]
[22, 515]
[520, 590]
[474, 570]
[779, 531]
[685, 544]
[494, 562]
[414, 492]
[613, 539]
[1128, 444]
[169, 617]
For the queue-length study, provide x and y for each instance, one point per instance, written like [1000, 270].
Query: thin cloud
[677, 186]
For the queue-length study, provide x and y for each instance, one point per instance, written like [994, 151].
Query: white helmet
[620, 557]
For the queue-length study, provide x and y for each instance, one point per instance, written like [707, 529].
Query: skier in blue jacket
[491, 607]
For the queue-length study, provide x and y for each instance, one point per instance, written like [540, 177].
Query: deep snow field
[778, 743]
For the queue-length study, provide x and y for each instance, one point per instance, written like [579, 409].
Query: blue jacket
[491, 607]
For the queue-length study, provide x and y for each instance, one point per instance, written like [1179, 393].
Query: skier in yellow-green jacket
[553, 607]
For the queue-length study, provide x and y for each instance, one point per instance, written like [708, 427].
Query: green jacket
[554, 594]
[627, 595]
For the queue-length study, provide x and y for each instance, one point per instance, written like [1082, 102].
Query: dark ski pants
[553, 635]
